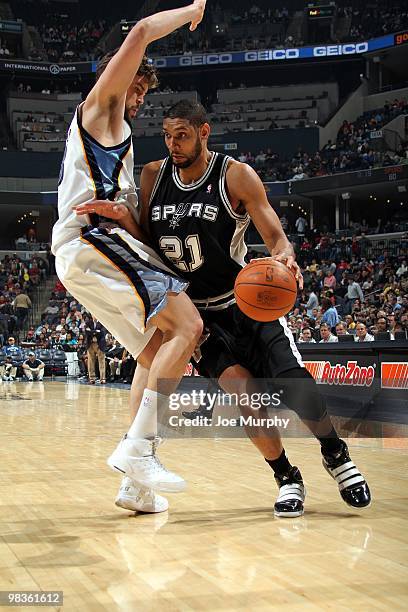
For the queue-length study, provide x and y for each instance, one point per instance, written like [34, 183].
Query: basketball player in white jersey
[107, 268]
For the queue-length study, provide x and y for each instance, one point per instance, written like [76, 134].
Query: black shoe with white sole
[201, 411]
[292, 494]
[352, 485]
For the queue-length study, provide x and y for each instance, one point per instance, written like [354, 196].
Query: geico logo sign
[268, 55]
[206, 60]
[347, 49]
[401, 38]
[394, 375]
[351, 374]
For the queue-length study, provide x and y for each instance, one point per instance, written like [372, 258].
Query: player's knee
[235, 379]
[188, 331]
[235, 372]
[192, 322]
[195, 328]
[301, 394]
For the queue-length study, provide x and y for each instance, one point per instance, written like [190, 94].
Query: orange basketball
[265, 290]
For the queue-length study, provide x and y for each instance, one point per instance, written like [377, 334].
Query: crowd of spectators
[67, 326]
[259, 26]
[353, 150]
[51, 88]
[66, 34]
[41, 127]
[257, 13]
[67, 42]
[13, 361]
[17, 280]
[349, 290]
[376, 19]
[229, 26]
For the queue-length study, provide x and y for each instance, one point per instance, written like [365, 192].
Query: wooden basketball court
[219, 546]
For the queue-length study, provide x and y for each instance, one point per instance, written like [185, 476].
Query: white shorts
[119, 280]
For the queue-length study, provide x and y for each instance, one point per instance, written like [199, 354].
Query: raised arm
[119, 74]
[245, 186]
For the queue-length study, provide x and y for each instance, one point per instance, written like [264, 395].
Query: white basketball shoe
[131, 496]
[137, 459]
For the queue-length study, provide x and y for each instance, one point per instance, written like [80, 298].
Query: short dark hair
[194, 112]
[146, 68]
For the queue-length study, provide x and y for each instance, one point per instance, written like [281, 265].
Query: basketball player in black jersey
[196, 206]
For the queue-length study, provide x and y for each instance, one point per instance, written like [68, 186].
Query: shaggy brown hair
[146, 68]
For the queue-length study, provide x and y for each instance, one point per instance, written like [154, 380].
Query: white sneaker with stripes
[352, 485]
[131, 496]
[292, 493]
[137, 459]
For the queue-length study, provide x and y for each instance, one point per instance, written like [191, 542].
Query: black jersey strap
[165, 171]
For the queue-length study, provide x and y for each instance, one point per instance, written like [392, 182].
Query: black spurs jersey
[197, 232]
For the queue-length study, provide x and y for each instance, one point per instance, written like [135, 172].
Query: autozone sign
[394, 375]
[351, 374]
[190, 370]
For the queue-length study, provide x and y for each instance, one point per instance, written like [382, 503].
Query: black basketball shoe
[201, 411]
[292, 494]
[352, 485]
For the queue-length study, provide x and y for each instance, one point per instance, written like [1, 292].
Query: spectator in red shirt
[330, 281]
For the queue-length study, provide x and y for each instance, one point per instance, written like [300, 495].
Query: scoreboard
[326, 11]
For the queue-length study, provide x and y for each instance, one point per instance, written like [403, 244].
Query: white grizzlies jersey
[89, 170]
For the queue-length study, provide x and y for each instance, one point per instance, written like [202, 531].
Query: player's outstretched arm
[116, 211]
[119, 74]
[245, 186]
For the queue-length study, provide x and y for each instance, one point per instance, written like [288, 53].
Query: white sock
[145, 423]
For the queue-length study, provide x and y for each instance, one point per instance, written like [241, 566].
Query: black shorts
[265, 349]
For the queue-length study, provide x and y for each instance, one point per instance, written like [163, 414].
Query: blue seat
[45, 355]
[59, 362]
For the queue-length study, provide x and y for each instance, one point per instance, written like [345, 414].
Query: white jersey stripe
[293, 346]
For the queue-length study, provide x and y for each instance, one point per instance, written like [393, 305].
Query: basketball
[265, 290]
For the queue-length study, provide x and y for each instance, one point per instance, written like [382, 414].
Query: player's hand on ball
[292, 264]
[104, 208]
[199, 5]
[289, 262]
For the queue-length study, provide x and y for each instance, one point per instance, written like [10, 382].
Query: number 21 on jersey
[173, 249]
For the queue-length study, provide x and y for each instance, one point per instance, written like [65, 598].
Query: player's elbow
[140, 31]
